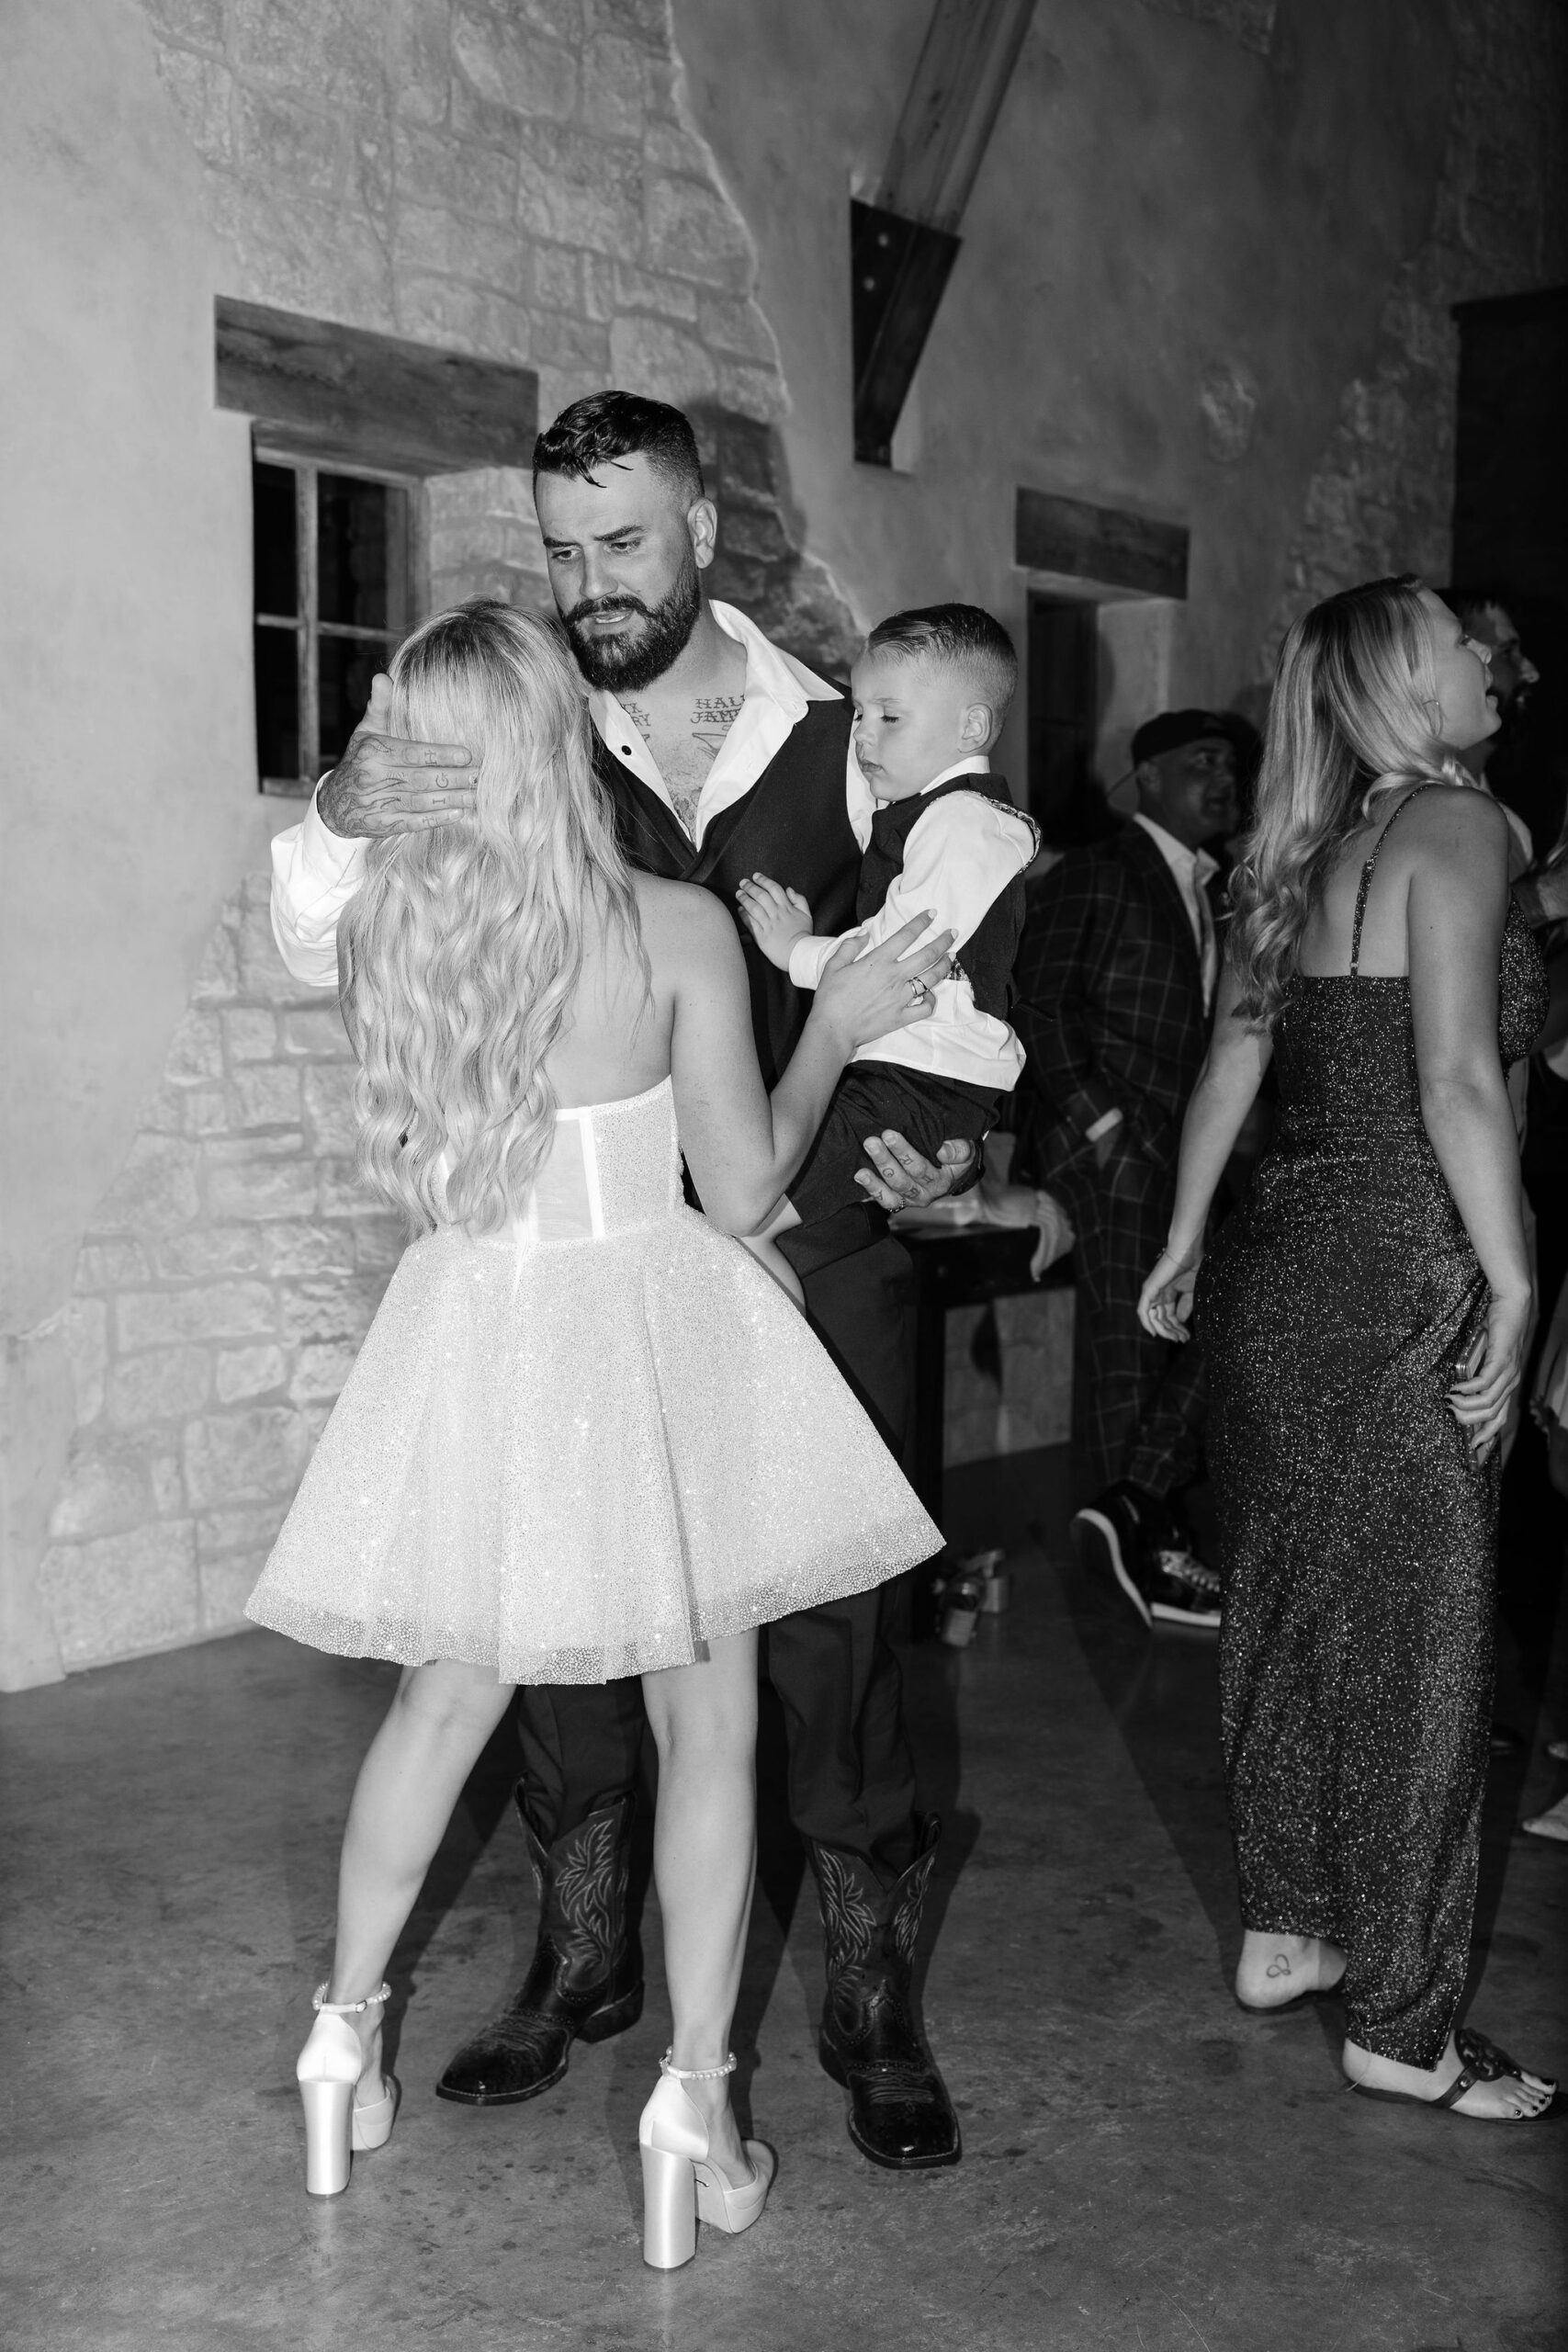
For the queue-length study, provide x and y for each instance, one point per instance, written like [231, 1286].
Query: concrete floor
[1144, 2167]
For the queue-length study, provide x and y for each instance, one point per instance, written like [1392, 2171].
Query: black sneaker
[1184, 1589]
[1118, 1530]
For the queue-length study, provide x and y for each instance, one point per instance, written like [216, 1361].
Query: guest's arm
[1227, 1087]
[1458, 902]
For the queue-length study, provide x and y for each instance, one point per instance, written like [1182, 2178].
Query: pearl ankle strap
[696, 2073]
[347, 2009]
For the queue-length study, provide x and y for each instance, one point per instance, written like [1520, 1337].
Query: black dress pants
[851, 1777]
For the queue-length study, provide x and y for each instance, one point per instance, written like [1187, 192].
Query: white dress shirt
[316, 872]
[958, 859]
[778, 689]
[1193, 869]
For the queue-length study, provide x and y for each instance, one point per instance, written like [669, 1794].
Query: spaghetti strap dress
[587, 1446]
[1359, 1532]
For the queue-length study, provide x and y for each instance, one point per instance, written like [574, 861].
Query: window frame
[308, 460]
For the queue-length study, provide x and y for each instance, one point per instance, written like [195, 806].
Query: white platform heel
[330, 2065]
[678, 2185]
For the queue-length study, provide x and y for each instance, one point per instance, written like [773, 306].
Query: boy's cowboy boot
[900, 2114]
[586, 1978]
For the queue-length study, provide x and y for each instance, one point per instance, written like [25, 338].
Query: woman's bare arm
[1227, 1088]
[1457, 906]
[742, 1146]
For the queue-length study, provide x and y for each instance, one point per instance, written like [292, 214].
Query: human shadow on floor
[1161, 1689]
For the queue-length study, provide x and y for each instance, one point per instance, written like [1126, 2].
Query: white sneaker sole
[1087, 1523]
[1205, 1619]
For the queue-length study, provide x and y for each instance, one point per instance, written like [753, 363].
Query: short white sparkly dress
[586, 1447]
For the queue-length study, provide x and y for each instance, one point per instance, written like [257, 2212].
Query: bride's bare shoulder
[681, 921]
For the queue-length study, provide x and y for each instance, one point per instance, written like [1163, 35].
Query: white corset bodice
[613, 1166]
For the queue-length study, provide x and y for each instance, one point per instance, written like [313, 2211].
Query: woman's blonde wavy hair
[1355, 716]
[459, 956]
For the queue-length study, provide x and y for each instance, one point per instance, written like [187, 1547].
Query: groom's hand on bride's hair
[905, 1177]
[385, 784]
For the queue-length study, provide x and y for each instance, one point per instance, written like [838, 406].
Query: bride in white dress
[587, 1435]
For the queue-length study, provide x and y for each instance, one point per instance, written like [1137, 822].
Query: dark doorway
[1511, 524]
[1065, 799]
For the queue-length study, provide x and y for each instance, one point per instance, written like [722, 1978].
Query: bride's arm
[742, 1146]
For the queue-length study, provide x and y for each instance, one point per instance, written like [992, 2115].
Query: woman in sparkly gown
[1364, 1317]
[587, 1435]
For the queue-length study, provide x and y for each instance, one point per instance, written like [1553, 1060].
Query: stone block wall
[220, 1296]
[521, 182]
[524, 182]
[1381, 499]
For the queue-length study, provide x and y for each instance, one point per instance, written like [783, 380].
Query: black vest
[793, 825]
[987, 957]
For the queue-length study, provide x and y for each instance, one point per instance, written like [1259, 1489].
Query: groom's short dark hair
[593, 433]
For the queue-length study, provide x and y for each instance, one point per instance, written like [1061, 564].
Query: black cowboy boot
[586, 1979]
[900, 2115]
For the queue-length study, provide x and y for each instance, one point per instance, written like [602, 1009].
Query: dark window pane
[348, 666]
[276, 565]
[362, 551]
[278, 703]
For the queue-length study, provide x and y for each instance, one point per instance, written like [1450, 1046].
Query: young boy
[930, 692]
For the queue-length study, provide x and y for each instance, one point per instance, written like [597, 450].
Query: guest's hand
[774, 916]
[1482, 1402]
[904, 1178]
[385, 784]
[889, 987]
[1165, 1303]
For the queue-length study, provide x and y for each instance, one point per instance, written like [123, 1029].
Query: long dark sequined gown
[1357, 1530]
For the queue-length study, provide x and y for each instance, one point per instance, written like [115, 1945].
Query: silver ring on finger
[918, 991]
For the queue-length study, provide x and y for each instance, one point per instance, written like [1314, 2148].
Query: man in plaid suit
[1115, 978]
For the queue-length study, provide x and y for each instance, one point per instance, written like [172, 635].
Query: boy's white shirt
[316, 872]
[959, 857]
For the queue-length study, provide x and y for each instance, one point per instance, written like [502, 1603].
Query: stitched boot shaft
[872, 2042]
[586, 1981]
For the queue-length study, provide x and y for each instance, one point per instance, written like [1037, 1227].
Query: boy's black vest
[987, 957]
[793, 824]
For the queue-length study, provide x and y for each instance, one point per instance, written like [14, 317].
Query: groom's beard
[630, 661]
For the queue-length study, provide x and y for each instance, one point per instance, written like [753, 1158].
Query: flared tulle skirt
[571, 1462]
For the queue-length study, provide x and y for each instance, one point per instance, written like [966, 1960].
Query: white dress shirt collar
[976, 764]
[1178, 856]
[1193, 869]
[778, 689]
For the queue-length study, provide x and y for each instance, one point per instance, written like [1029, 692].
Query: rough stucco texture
[1196, 226]
[521, 181]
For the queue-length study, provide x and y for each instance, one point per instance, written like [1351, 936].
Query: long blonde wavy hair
[1355, 716]
[459, 956]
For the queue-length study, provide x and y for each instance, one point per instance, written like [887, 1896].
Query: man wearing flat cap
[1115, 977]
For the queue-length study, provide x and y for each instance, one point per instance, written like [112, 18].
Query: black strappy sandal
[1480, 2062]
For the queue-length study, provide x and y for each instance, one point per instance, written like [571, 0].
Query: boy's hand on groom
[774, 916]
[387, 784]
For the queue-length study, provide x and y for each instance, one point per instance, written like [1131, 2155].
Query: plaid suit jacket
[1110, 1005]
